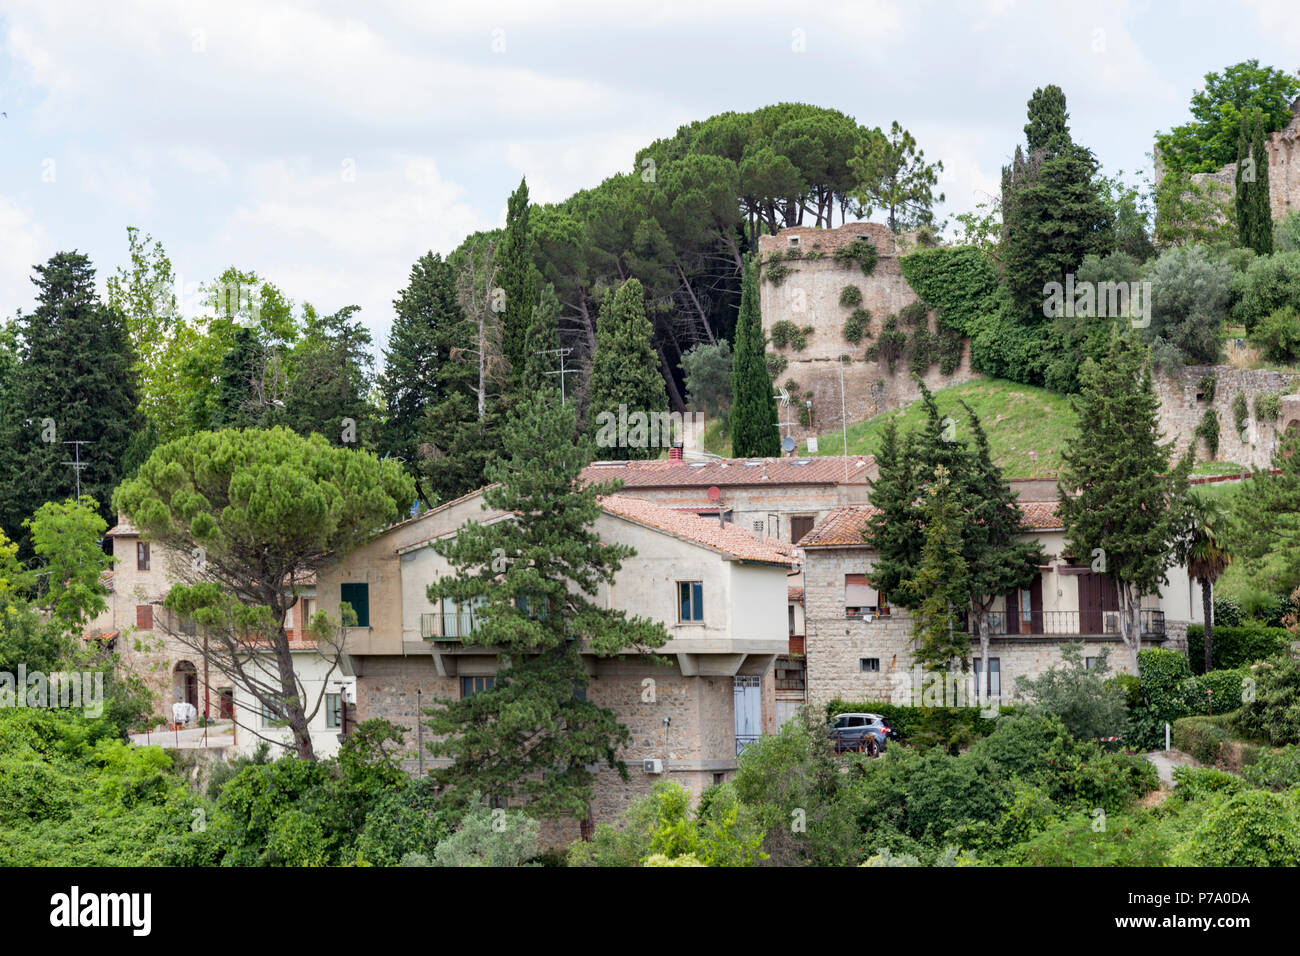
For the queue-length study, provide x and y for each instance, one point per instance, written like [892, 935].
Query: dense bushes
[1235, 646]
[960, 283]
[1202, 737]
[1269, 283]
[1274, 713]
[1248, 828]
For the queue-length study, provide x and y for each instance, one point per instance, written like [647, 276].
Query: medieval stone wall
[1182, 408]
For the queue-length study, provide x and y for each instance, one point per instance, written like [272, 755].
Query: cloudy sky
[328, 145]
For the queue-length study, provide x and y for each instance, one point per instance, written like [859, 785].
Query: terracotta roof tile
[662, 473]
[843, 527]
[794, 595]
[727, 539]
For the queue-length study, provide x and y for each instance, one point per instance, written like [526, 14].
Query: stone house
[717, 589]
[858, 647]
[146, 636]
[781, 498]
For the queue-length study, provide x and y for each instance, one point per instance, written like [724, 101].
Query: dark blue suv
[859, 733]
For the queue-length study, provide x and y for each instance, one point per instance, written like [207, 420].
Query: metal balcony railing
[448, 625]
[1065, 623]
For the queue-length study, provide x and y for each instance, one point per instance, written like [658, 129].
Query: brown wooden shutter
[144, 617]
[1036, 605]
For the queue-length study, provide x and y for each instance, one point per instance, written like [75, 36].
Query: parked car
[860, 733]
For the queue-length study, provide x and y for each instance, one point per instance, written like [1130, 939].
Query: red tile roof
[794, 595]
[843, 527]
[662, 473]
[727, 539]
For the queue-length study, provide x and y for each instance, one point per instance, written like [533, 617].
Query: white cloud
[333, 241]
[23, 243]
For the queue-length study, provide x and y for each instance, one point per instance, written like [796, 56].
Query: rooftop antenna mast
[77, 464]
[561, 371]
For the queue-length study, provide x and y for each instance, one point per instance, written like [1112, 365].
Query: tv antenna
[561, 371]
[77, 464]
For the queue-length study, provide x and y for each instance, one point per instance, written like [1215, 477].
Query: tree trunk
[674, 395]
[699, 310]
[1207, 607]
[294, 712]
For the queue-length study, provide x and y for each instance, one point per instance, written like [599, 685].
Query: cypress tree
[517, 278]
[753, 406]
[1254, 217]
[941, 581]
[1054, 211]
[624, 372]
[895, 531]
[1122, 501]
[75, 381]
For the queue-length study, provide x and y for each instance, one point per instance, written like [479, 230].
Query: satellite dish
[714, 492]
[787, 444]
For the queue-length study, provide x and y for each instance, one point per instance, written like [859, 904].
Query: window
[333, 710]
[269, 716]
[1089, 663]
[690, 599]
[995, 677]
[358, 596]
[759, 527]
[800, 526]
[869, 665]
[469, 686]
[144, 617]
[790, 608]
[861, 598]
[794, 240]
[141, 556]
[304, 612]
[719, 779]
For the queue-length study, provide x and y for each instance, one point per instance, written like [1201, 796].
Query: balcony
[1067, 624]
[743, 741]
[448, 625]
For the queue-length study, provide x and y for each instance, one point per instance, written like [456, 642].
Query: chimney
[676, 453]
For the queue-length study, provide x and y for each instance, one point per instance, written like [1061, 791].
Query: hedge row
[1235, 646]
[947, 727]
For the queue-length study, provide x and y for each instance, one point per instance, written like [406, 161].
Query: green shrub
[1278, 335]
[1202, 737]
[1268, 283]
[850, 296]
[914, 314]
[1250, 828]
[1240, 412]
[921, 349]
[1197, 783]
[1208, 431]
[775, 271]
[860, 252]
[950, 348]
[857, 325]
[776, 363]
[1206, 388]
[1268, 406]
[1274, 770]
[1274, 714]
[1082, 697]
[1129, 839]
[1227, 613]
[891, 345]
[1235, 645]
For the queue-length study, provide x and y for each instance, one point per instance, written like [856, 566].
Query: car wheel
[871, 748]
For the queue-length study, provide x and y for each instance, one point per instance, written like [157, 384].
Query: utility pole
[561, 371]
[78, 464]
[844, 417]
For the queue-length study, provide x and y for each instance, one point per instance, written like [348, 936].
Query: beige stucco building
[688, 717]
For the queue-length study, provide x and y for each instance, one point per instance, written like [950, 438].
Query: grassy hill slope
[1018, 419]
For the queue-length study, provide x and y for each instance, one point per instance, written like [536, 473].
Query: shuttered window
[144, 617]
[859, 596]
